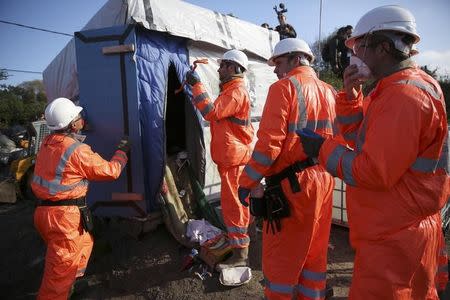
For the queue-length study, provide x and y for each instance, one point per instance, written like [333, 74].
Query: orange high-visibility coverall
[63, 168]
[295, 259]
[442, 272]
[231, 137]
[397, 181]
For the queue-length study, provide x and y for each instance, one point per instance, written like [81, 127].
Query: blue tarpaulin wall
[154, 54]
[130, 93]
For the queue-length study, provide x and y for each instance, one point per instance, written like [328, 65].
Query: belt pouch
[86, 219]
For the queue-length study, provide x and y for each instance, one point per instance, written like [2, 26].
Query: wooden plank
[127, 197]
[118, 49]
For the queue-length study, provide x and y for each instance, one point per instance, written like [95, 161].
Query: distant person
[64, 167]
[396, 168]
[339, 53]
[231, 138]
[267, 26]
[284, 29]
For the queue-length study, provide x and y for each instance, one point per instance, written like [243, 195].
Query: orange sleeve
[349, 115]
[272, 133]
[391, 131]
[225, 105]
[94, 168]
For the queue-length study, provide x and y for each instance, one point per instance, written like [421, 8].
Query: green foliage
[21, 104]
[444, 82]
[3, 74]
[329, 77]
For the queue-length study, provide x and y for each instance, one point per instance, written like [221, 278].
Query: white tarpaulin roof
[172, 16]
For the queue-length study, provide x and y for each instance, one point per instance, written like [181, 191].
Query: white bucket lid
[235, 276]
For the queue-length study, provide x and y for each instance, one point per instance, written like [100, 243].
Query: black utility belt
[68, 202]
[290, 173]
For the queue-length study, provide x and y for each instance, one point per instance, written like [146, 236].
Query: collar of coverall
[307, 70]
[226, 83]
[405, 64]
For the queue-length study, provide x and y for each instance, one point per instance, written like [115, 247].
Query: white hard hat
[385, 18]
[290, 45]
[60, 112]
[237, 56]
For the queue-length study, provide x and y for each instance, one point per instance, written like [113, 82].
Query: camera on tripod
[282, 10]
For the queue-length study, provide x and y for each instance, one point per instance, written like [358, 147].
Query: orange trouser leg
[442, 272]
[68, 249]
[401, 265]
[235, 216]
[295, 259]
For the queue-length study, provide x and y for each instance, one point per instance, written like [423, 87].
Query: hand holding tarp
[124, 144]
[192, 77]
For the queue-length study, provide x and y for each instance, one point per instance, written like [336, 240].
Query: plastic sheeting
[172, 16]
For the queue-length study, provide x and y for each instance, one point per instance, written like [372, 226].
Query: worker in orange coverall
[64, 165]
[297, 202]
[396, 168]
[231, 137]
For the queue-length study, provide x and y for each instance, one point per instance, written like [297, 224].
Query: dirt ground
[146, 266]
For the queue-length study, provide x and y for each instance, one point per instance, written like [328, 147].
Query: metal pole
[320, 36]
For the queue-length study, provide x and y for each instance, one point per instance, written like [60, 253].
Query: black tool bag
[86, 218]
[277, 207]
[258, 207]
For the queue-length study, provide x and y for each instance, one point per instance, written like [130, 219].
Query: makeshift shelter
[124, 68]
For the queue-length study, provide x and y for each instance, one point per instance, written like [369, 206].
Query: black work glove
[192, 78]
[243, 195]
[124, 144]
[311, 141]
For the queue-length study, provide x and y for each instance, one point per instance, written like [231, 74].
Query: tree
[21, 104]
[3, 74]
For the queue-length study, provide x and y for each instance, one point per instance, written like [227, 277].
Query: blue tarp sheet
[155, 52]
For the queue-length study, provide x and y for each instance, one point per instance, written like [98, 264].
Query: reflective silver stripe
[120, 157]
[333, 159]
[351, 136]
[361, 138]
[429, 88]
[347, 164]
[255, 176]
[262, 159]
[316, 276]
[301, 121]
[351, 119]
[444, 159]
[239, 242]
[63, 161]
[54, 186]
[201, 97]
[207, 109]
[311, 293]
[443, 269]
[278, 288]
[425, 165]
[239, 121]
[319, 124]
[236, 229]
[292, 127]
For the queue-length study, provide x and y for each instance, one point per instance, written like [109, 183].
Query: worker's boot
[238, 259]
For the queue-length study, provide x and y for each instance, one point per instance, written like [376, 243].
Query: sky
[32, 50]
